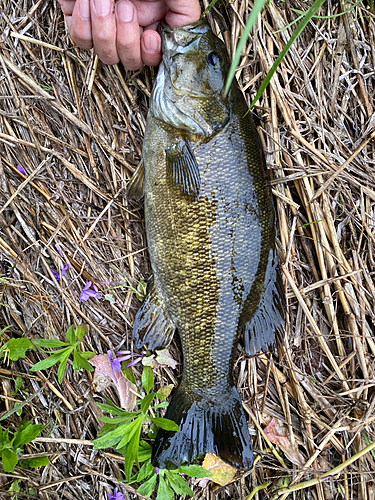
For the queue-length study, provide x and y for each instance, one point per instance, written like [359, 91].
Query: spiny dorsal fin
[135, 187]
[182, 170]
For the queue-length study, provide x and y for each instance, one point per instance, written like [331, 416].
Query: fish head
[189, 90]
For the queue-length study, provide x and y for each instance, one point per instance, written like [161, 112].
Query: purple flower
[135, 361]
[58, 275]
[19, 167]
[117, 495]
[115, 362]
[87, 293]
[156, 470]
[129, 355]
[59, 251]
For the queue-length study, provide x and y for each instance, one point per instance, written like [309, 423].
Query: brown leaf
[222, 473]
[277, 433]
[104, 376]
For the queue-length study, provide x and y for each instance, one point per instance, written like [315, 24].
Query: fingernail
[103, 7]
[84, 9]
[151, 43]
[125, 11]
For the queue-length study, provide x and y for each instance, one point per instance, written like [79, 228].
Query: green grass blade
[208, 8]
[309, 14]
[258, 6]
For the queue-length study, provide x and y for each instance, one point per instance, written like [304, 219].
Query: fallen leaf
[162, 358]
[277, 433]
[104, 376]
[222, 473]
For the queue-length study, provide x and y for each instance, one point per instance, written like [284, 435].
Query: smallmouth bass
[211, 238]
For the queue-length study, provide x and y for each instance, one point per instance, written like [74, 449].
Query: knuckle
[102, 38]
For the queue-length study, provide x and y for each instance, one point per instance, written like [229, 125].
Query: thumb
[182, 12]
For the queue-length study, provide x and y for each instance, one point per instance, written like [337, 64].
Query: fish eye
[213, 58]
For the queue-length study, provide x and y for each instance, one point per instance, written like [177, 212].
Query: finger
[128, 35]
[79, 24]
[151, 48]
[150, 12]
[103, 29]
[182, 12]
[67, 6]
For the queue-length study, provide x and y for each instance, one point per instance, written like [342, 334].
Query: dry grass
[79, 149]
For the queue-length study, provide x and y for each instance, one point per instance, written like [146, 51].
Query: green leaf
[117, 434]
[147, 488]
[4, 437]
[144, 452]
[62, 366]
[146, 470]
[147, 379]
[258, 6]
[115, 420]
[18, 382]
[134, 428]
[128, 372]
[80, 362]
[163, 404]
[87, 354]
[113, 409]
[17, 348]
[306, 19]
[164, 491]
[81, 332]
[131, 454]
[146, 401]
[50, 343]
[165, 391]
[36, 462]
[51, 360]
[26, 435]
[165, 423]
[70, 336]
[178, 484]
[194, 471]
[9, 458]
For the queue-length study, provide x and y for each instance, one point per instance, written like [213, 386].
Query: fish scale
[211, 238]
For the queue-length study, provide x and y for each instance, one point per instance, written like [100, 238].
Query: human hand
[126, 30]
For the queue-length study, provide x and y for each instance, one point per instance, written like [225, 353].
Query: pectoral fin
[152, 324]
[182, 170]
[260, 326]
[135, 187]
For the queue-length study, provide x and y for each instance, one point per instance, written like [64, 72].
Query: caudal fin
[205, 427]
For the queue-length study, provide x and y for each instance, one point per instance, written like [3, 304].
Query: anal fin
[152, 324]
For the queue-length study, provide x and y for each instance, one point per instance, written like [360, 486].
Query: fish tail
[206, 426]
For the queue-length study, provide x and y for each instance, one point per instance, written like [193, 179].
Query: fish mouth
[181, 40]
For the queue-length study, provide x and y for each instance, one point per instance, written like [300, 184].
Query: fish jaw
[188, 93]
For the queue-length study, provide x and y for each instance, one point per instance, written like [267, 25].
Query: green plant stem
[333, 472]
[21, 405]
[258, 5]
[309, 14]
[258, 488]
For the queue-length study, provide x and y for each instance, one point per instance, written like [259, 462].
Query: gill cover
[188, 91]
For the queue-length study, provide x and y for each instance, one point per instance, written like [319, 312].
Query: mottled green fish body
[210, 230]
